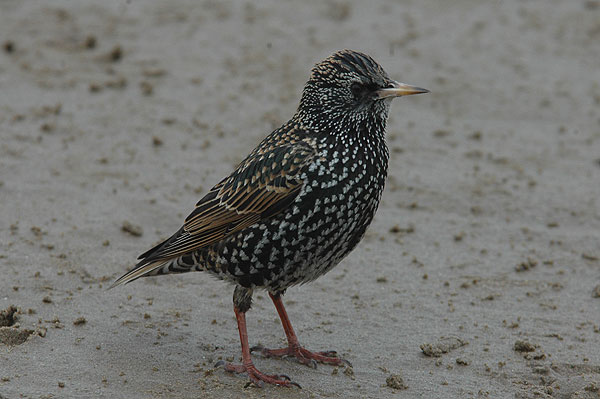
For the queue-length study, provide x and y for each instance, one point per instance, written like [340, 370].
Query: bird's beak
[398, 89]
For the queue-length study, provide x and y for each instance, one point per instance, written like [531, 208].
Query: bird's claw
[304, 356]
[257, 378]
[258, 384]
[219, 364]
[295, 384]
[258, 347]
[328, 353]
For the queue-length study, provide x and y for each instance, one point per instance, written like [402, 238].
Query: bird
[295, 206]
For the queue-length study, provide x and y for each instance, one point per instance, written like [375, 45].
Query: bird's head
[350, 86]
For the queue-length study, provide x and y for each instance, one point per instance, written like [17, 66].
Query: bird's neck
[348, 129]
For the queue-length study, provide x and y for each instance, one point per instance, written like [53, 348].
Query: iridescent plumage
[297, 204]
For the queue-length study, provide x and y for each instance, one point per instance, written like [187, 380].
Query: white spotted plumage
[328, 167]
[297, 204]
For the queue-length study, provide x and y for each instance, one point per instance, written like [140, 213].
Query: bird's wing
[263, 185]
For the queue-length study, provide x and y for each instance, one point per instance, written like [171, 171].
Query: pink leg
[294, 349]
[247, 366]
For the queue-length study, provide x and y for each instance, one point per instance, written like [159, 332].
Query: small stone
[395, 381]
[459, 236]
[90, 42]
[154, 73]
[157, 141]
[117, 83]
[47, 127]
[41, 331]
[79, 321]
[526, 265]
[444, 345]
[146, 88]
[8, 317]
[116, 54]
[9, 46]
[476, 135]
[37, 231]
[406, 230]
[95, 87]
[349, 371]
[47, 299]
[441, 133]
[523, 346]
[135, 231]
[462, 362]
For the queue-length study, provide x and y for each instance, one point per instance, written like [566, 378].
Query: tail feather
[149, 262]
[154, 251]
[155, 261]
[141, 270]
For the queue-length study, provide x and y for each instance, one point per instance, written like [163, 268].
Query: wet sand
[478, 278]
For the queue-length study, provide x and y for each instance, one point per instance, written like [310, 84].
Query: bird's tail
[140, 270]
[152, 263]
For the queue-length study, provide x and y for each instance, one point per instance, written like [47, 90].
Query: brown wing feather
[261, 186]
[264, 184]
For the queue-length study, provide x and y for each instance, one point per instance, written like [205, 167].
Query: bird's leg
[294, 349]
[242, 300]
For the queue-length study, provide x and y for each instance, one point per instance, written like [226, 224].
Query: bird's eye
[357, 90]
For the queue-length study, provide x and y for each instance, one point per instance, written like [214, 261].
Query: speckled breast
[327, 220]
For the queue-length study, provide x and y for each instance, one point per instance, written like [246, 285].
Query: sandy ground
[478, 278]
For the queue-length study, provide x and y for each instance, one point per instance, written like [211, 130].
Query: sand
[478, 278]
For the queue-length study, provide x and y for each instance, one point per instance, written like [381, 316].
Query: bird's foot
[256, 377]
[304, 356]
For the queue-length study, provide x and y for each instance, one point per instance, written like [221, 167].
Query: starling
[296, 206]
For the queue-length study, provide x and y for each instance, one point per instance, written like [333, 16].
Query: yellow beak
[400, 89]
